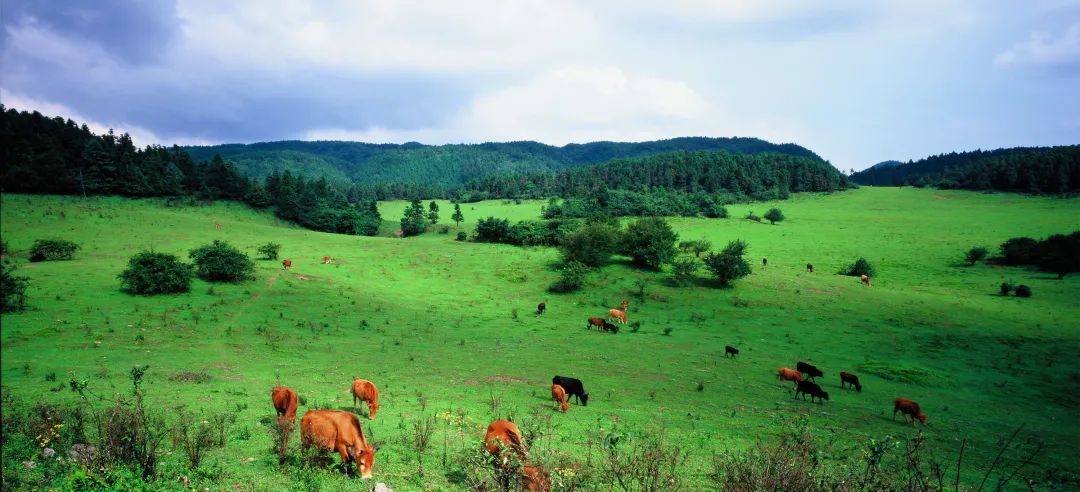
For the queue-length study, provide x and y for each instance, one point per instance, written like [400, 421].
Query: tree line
[1037, 170]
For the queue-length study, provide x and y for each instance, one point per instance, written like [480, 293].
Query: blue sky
[856, 81]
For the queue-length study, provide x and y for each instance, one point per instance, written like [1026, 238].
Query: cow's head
[364, 456]
[922, 418]
[585, 399]
[824, 395]
[372, 407]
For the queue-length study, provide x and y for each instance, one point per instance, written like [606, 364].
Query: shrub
[751, 216]
[491, 230]
[650, 242]
[683, 270]
[1023, 291]
[270, 251]
[220, 262]
[461, 236]
[774, 215]
[150, 273]
[12, 290]
[444, 229]
[592, 245]
[52, 249]
[1019, 251]
[714, 210]
[975, 254]
[729, 264]
[571, 278]
[1006, 287]
[1060, 254]
[859, 268]
[415, 219]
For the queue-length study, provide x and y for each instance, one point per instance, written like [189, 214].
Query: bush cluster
[221, 262]
[859, 268]
[150, 273]
[52, 250]
[1058, 253]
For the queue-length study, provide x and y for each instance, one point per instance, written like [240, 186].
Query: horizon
[857, 84]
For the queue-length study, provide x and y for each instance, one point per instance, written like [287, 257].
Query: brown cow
[617, 314]
[503, 435]
[851, 379]
[792, 375]
[597, 322]
[286, 264]
[364, 390]
[217, 226]
[334, 430]
[864, 279]
[559, 395]
[908, 407]
[285, 402]
[535, 478]
[326, 260]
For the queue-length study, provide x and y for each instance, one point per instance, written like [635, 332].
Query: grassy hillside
[444, 326]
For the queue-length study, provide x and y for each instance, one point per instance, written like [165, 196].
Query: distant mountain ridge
[453, 165]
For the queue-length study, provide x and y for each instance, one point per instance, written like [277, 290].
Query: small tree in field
[457, 217]
[433, 212]
[774, 215]
[150, 273]
[859, 268]
[220, 262]
[650, 242]
[270, 251]
[728, 265]
[414, 222]
[52, 249]
[975, 254]
[1023, 291]
[12, 290]
[683, 270]
[591, 245]
[1006, 287]
[571, 278]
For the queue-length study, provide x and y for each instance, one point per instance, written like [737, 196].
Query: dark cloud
[135, 32]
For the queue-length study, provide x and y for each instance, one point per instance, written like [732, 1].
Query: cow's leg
[344, 452]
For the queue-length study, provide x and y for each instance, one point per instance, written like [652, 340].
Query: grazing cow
[284, 402]
[540, 308]
[732, 351]
[764, 262]
[364, 390]
[611, 327]
[618, 315]
[792, 375]
[503, 436]
[809, 369]
[815, 391]
[286, 264]
[559, 395]
[851, 379]
[908, 407]
[327, 259]
[217, 226]
[535, 478]
[597, 322]
[334, 430]
[809, 268]
[574, 388]
[864, 279]
[399, 233]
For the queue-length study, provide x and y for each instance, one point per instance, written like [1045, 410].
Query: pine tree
[433, 213]
[414, 222]
[457, 217]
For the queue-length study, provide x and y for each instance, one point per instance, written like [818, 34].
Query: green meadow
[448, 327]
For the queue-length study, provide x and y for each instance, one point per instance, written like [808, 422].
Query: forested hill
[450, 166]
[1022, 169]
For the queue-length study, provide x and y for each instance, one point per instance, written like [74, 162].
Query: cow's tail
[516, 443]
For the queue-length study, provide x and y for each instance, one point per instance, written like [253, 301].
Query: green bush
[592, 245]
[571, 278]
[461, 236]
[975, 254]
[220, 262]
[491, 230]
[52, 249]
[270, 251]
[150, 273]
[728, 265]
[683, 270]
[12, 290]
[1006, 287]
[414, 221]
[1019, 251]
[1023, 291]
[859, 268]
[650, 242]
[751, 216]
[774, 215]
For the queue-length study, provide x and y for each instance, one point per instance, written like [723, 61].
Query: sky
[856, 81]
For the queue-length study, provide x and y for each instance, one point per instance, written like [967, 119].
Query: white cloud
[1043, 50]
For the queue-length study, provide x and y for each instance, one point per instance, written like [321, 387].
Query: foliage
[975, 254]
[433, 212]
[52, 249]
[270, 250]
[751, 216]
[491, 230]
[728, 265]
[859, 268]
[1019, 251]
[1023, 291]
[571, 277]
[414, 221]
[461, 236]
[649, 242]
[151, 273]
[697, 247]
[12, 290]
[592, 245]
[1058, 253]
[458, 218]
[1006, 288]
[774, 215]
[683, 270]
[221, 262]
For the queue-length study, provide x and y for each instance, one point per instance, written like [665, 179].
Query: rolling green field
[446, 326]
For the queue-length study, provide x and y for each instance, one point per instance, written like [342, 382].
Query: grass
[432, 322]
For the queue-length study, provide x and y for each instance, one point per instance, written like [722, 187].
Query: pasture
[447, 330]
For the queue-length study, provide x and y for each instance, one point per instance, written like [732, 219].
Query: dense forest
[39, 154]
[1049, 170]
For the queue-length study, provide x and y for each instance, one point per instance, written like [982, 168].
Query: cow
[284, 400]
[334, 430]
[865, 279]
[540, 308]
[503, 436]
[286, 264]
[764, 262]
[785, 374]
[364, 390]
[597, 322]
[327, 259]
[618, 315]
[574, 388]
[812, 389]
[217, 226]
[908, 407]
[809, 268]
[732, 351]
[612, 327]
[559, 395]
[399, 234]
[535, 478]
[809, 369]
[851, 379]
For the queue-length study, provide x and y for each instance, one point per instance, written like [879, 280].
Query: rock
[381, 487]
[83, 453]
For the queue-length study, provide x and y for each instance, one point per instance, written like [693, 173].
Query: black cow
[612, 327]
[815, 391]
[729, 350]
[808, 369]
[764, 262]
[573, 387]
[809, 268]
[540, 308]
